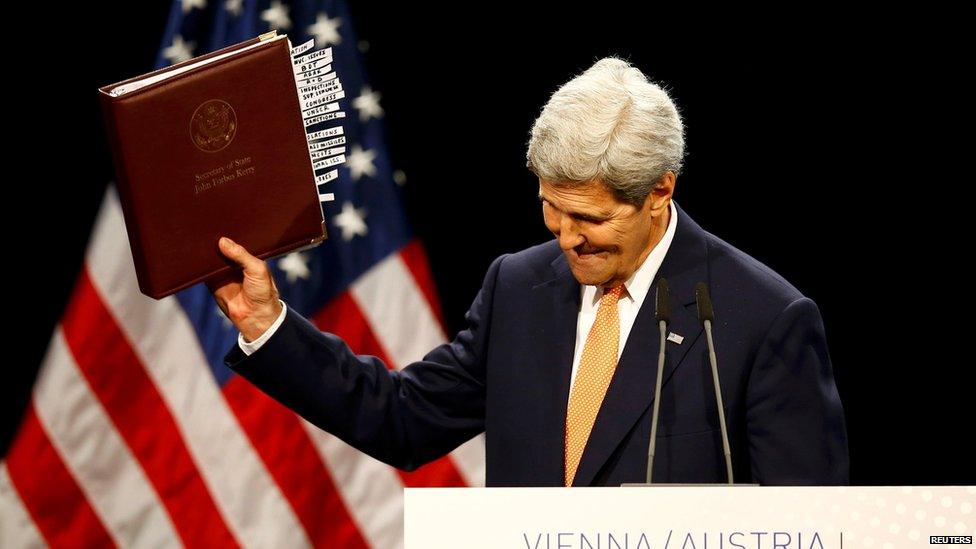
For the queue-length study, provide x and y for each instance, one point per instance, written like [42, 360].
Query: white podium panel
[691, 517]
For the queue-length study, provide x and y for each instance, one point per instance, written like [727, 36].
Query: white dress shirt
[630, 301]
[249, 348]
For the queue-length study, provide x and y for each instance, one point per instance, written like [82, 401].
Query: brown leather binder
[214, 146]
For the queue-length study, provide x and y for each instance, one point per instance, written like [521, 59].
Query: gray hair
[610, 124]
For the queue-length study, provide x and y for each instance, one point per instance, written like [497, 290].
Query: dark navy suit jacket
[507, 374]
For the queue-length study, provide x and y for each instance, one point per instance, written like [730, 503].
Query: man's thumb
[236, 253]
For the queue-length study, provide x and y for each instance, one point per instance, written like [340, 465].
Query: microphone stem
[657, 399]
[718, 399]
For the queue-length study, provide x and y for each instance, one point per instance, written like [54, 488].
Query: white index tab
[322, 134]
[326, 177]
[314, 56]
[298, 50]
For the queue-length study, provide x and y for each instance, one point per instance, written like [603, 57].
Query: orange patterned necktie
[595, 371]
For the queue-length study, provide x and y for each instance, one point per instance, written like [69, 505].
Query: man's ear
[660, 196]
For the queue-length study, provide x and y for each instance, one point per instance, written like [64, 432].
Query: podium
[690, 517]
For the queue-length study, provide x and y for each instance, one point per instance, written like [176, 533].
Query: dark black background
[833, 149]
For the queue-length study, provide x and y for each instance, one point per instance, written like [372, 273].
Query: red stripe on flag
[343, 318]
[50, 493]
[438, 473]
[415, 258]
[137, 410]
[291, 458]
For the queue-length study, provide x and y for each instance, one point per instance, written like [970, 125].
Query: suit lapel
[631, 390]
[554, 355]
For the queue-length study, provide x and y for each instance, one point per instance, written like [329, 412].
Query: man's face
[604, 239]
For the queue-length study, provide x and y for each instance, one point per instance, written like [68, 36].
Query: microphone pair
[706, 315]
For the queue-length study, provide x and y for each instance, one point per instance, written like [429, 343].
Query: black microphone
[662, 307]
[662, 314]
[704, 302]
[706, 315]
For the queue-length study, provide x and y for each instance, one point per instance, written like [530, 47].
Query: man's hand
[249, 296]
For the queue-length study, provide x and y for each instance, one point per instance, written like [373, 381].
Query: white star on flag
[368, 104]
[276, 16]
[360, 162]
[179, 50]
[351, 221]
[295, 266]
[233, 7]
[190, 4]
[325, 30]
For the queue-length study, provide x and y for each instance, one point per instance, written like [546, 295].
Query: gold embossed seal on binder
[213, 125]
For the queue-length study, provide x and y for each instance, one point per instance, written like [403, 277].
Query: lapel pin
[675, 338]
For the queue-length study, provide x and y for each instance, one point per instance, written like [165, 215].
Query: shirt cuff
[252, 347]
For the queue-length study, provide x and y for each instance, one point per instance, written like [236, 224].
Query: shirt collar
[639, 283]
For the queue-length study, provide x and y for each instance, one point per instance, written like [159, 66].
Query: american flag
[137, 435]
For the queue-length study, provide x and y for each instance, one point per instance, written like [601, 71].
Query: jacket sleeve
[404, 418]
[794, 416]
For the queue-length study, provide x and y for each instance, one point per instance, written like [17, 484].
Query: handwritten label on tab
[316, 79]
[316, 155]
[314, 72]
[321, 110]
[321, 63]
[306, 79]
[323, 118]
[341, 140]
[331, 85]
[319, 90]
[329, 162]
[314, 56]
[326, 177]
[323, 134]
[298, 50]
[323, 100]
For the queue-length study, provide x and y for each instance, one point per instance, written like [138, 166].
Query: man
[558, 362]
